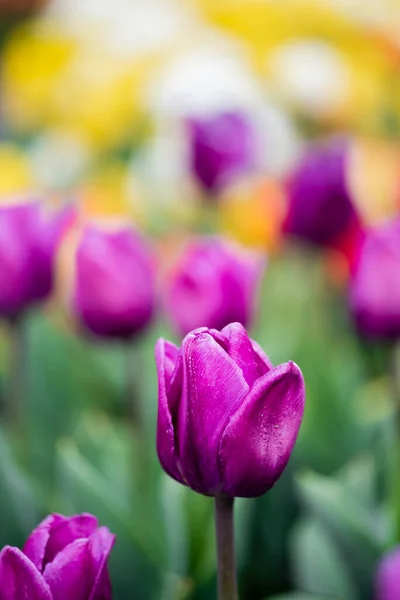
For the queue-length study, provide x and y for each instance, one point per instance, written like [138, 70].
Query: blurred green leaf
[318, 566]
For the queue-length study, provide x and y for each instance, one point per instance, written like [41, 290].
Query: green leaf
[318, 566]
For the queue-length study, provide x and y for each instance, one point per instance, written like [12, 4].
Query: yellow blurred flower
[374, 178]
[109, 192]
[16, 176]
[253, 212]
[32, 63]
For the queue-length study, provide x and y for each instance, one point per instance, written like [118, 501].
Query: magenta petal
[66, 531]
[257, 443]
[213, 389]
[19, 578]
[243, 352]
[387, 583]
[35, 545]
[165, 354]
[100, 546]
[70, 574]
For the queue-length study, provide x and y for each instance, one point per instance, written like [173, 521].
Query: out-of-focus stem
[132, 370]
[395, 381]
[226, 563]
[16, 383]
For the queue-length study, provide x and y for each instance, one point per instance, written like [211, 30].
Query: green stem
[133, 408]
[227, 584]
[16, 385]
[395, 380]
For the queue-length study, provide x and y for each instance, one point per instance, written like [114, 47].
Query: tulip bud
[222, 147]
[321, 210]
[227, 419]
[28, 240]
[375, 287]
[64, 558]
[214, 283]
[387, 580]
[112, 281]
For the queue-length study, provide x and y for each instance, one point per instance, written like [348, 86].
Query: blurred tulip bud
[213, 283]
[111, 288]
[222, 147]
[387, 580]
[227, 419]
[375, 286]
[64, 558]
[320, 209]
[29, 237]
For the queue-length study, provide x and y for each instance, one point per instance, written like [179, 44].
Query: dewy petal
[35, 545]
[258, 441]
[165, 428]
[213, 389]
[19, 578]
[243, 352]
[100, 546]
[67, 531]
[70, 574]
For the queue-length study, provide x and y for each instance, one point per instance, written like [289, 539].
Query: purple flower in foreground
[214, 283]
[227, 419]
[29, 237]
[113, 291]
[387, 580]
[222, 147]
[64, 558]
[375, 287]
[321, 210]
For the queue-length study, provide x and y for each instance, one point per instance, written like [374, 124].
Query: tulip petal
[256, 445]
[35, 545]
[387, 581]
[166, 355]
[70, 574]
[67, 531]
[100, 546]
[245, 353]
[19, 578]
[213, 389]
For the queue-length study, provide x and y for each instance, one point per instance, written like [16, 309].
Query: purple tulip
[227, 419]
[387, 580]
[320, 206]
[64, 558]
[375, 287]
[113, 292]
[29, 237]
[213, 284]
[222, 147]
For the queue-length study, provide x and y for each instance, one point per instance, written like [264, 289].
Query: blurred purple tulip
[64, 558]
[387, 580]
[227, 419]
[29, 236]
[214, 283]
[222, 147]
[375, 286]
[321, 210]
[113, 292]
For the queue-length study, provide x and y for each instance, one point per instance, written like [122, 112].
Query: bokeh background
[96, 98]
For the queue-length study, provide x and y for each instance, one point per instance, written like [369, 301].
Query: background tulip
[113, 281]
[64, 558]
[29, 237]
[387, 581]
[222, 147]
[227, 419]
[213, 283]
[375, 287]
[321, 209]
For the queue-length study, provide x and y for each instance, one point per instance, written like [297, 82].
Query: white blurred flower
[312, 75]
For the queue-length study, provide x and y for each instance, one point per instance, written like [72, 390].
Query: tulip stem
[134, 413]
[15, 390]
[395, 379]
[227, 584]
